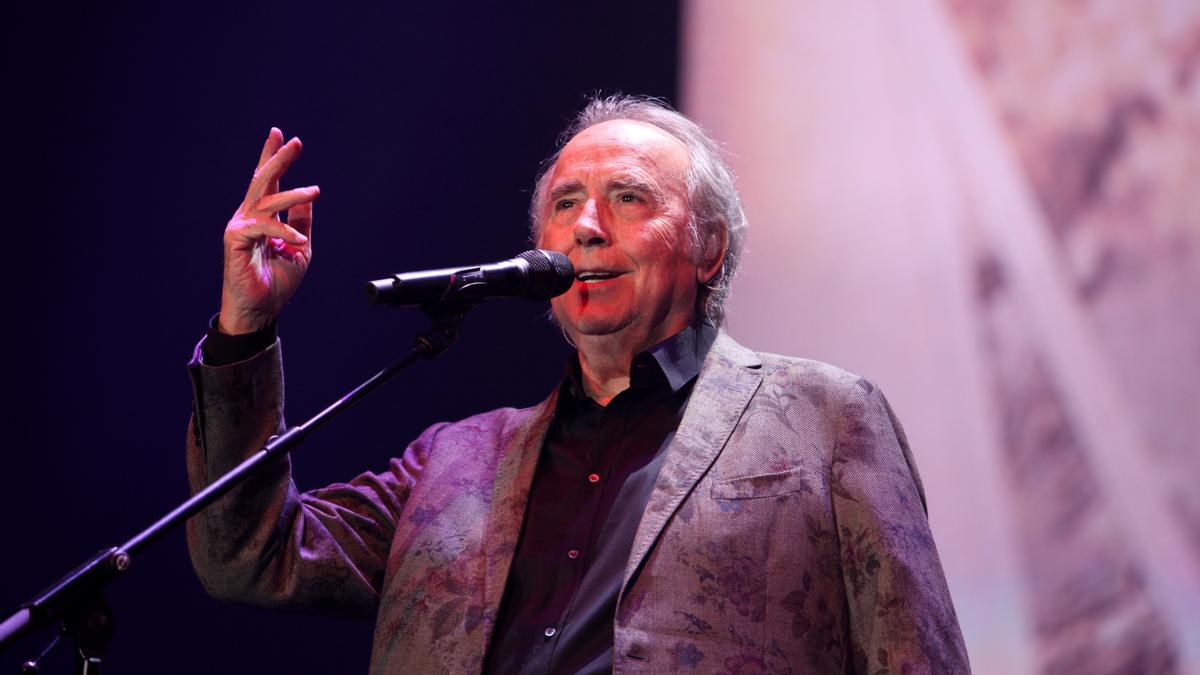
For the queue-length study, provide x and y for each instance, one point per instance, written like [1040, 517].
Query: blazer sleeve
[901, 615]
[264, 543]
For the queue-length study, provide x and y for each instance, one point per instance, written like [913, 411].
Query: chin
[599, 325]
[592, 324]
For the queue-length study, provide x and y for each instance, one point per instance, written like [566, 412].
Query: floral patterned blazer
[786, 533]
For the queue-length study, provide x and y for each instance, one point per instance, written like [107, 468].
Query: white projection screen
[991, 210]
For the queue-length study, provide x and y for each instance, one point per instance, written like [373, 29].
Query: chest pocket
[763, 485]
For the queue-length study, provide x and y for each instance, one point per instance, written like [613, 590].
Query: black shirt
[594, 477]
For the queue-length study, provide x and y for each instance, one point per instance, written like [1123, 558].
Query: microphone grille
[550, 274]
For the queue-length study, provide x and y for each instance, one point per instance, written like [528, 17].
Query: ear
[715, 245]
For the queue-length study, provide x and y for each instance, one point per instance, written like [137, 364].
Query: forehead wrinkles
[632, 178]
[663, 160]
[622, 146]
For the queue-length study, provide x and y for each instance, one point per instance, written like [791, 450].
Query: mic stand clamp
[445, 317]
[77, 599]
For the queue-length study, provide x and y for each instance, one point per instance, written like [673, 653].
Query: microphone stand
[77, 598]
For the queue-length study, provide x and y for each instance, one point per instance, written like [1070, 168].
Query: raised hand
[265, 259]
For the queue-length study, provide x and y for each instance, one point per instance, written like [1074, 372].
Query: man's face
[617, 207]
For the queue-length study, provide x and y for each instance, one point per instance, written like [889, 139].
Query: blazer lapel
[510, 496]
[728, 379]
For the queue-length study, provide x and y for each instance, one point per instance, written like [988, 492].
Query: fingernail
[301, 237]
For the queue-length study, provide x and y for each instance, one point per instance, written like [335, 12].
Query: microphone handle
[462, 284]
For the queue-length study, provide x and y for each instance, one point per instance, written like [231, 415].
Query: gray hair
[714, 207]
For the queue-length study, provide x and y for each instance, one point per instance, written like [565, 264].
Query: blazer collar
[519, 451]
[728, 379]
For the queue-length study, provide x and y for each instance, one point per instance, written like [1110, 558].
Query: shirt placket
[602, 455]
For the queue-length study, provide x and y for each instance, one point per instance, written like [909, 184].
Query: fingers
[300, 218]
[257, 218]
[248, 232]
[282, 201]
[268, 174]
[274, 142]
[282, 249]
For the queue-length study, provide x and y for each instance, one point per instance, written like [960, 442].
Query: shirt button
[573, 554]
[594, 478]
[549, 632]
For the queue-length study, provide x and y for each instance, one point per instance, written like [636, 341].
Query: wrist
[241, 323]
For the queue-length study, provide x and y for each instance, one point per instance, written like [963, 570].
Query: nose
[589, 228]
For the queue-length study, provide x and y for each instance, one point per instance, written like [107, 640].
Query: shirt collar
[681, 355]
[678, 358]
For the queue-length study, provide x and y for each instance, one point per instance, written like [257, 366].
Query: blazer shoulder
[779, 371]
[782, 370]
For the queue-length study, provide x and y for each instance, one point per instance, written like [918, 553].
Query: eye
[563, 204]
[629, 198]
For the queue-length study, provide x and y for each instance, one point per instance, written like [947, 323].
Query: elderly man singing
[677, 503]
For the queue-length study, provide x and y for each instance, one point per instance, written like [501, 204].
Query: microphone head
[550, 274]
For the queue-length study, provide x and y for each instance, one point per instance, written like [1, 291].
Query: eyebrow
[616, 184]
[562, 190]
[636, 185]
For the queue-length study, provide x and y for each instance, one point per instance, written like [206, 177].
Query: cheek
[663, 238]
[667, 251]
[554, 237]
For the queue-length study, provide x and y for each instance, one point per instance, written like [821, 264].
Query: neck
[605, 361]
[605, 371]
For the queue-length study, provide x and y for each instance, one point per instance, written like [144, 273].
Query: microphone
[533, 275]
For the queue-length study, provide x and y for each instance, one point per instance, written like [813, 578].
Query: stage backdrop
[131, 132]
[991, 210]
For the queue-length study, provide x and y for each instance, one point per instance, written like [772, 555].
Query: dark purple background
[130, 136]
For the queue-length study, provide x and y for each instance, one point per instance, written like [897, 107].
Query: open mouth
[596, 276]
